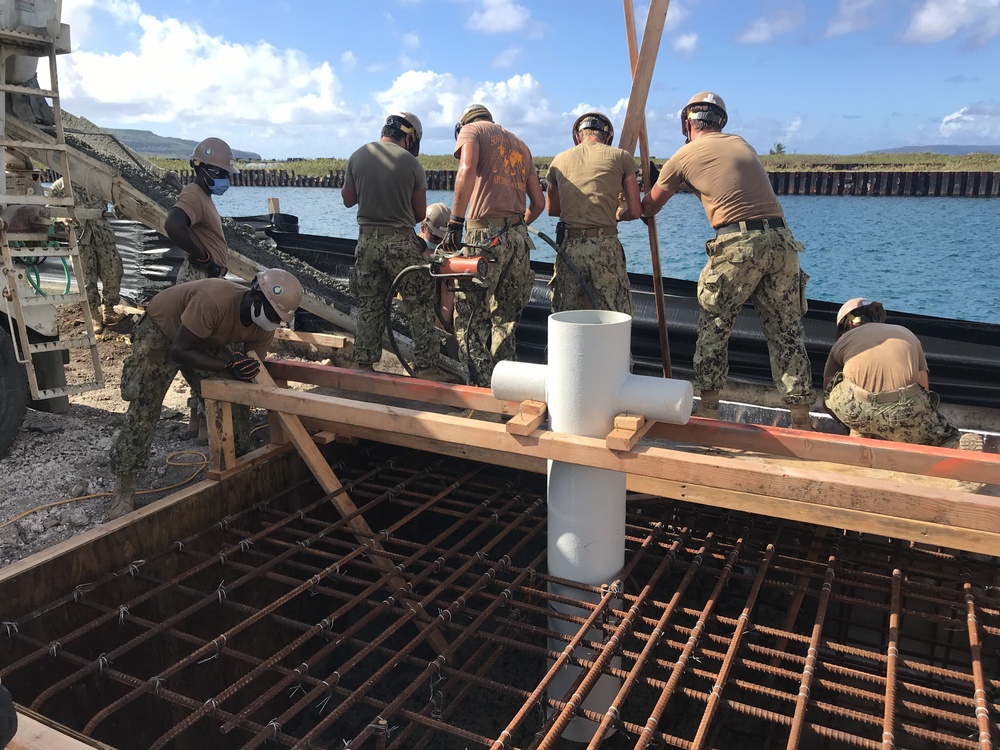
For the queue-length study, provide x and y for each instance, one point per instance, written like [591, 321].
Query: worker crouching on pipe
[205, 326]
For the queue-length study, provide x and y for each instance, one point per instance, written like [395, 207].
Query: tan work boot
[709, 405]
[800, 416]
[123, 498]
[98, 323]
[110, 315]
[970, 441]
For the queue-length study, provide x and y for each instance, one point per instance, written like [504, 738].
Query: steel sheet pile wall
[275, 628]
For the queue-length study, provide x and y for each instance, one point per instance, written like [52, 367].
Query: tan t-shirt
[502, 172]
[724, 171]
[210, 309]
[206, 224]
[589, 180]
[385, 177]
[877, 356]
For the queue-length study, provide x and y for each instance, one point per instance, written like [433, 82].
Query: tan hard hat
[410, 123]
[437, 219]
[282, 290]
[216, 152]
[594, 121]
[704, 97]
[474, 112]
[850, 306]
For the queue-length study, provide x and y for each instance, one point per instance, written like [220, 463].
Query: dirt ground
[55, 480]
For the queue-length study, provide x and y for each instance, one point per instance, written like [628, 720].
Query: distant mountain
[946, 150]
[148, 143]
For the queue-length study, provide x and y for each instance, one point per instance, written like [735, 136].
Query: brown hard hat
[216, 152]
[282, 290]
[437, 219]
[594, 121]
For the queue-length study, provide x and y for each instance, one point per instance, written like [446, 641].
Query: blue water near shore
[932, 256]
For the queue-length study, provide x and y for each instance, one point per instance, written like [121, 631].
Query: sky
[316, 78]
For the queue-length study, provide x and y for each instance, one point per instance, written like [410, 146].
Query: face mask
[257, 316]
[219, 186]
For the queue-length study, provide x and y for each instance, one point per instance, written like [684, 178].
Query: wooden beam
[887, 498]
[221, 438]
[929, 461]
[635, 112]
[328, 480]
[33, 734]
[324, 340]
[527, 420]
[629, 429]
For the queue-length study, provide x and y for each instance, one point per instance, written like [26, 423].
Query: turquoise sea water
[934, 256]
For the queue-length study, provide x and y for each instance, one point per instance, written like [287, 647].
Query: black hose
[576, 272]
[390, 295]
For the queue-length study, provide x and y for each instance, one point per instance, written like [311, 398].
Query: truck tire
[13, 393]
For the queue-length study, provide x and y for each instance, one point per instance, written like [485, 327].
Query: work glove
[207, 265]
[452, 241]
[243, 367]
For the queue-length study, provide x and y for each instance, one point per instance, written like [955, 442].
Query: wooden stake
[643, 73]
[527, 420]
[654, 244]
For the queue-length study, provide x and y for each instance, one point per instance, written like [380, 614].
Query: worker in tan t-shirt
[752, 256]
[206, 326]
[876, 381]
[194, 224]
[592, 187]
[496, 178]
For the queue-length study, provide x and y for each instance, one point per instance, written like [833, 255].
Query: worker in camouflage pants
[98, 255]
[380, 256]
[485, 317]
[752, 257]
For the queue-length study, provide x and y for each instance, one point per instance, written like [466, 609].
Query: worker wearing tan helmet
[752, 256]
[875, 381]
[194, 224]
[432, 231]
[206, 326]
[496, 178]
[585, 184]
[389, 187]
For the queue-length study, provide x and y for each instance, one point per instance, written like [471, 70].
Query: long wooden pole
[654, 244]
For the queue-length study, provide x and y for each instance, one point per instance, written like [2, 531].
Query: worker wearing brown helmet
[592, 187]
[753, 256]
[496, 192]
[194, 223]
[206, 326]
[876, 381]
[389, 187]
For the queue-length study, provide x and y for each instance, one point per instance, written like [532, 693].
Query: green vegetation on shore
[775, 162]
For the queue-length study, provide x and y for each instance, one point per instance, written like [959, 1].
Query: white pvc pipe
[585, 385]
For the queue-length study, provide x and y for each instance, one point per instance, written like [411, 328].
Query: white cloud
[936, 20]
[977, 122]
[851, 16]
[676, 14]
[779, 21]
[498, 17]
[793, 129]
[507, 58]
[348, 61]
[686, 44]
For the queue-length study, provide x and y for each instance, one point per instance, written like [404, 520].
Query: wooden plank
[876, 454]
[34, 735]
[244, 462]
[327, 340]
[328, 480]
[273, 206]
[629, 429]
[527, 420]
[221, 437]
[823, 489]
[643, 74]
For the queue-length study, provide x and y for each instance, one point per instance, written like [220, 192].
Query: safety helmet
[282, 291]
[437, 219]
[470, 113]
[716, 110]
[594, 121]
[408, 123]
[216, 152]
[869, 309]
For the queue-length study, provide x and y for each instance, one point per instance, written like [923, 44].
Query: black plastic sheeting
[963, 356]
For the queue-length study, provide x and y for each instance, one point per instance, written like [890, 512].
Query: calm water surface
[934, 256]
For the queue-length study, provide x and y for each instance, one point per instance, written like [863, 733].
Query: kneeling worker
[205, 326]
[875, 380]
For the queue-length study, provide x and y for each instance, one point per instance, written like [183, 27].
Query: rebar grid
[276, 627]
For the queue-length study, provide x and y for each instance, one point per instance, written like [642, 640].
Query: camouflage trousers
[910, 419]
[101, 262]
[601, 263]
[763, 267]
[379, 259]
[146, 376]
[485, 318]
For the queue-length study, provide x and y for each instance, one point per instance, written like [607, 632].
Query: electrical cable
[169, 460]
[576, 272]
[389, 296]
